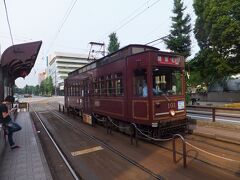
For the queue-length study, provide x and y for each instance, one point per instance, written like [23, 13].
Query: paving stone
[24, 163]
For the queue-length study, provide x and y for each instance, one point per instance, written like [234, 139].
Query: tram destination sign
[168, 60]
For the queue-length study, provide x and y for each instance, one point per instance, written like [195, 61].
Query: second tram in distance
[136, 84]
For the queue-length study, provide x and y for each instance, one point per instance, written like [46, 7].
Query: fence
[215, 111]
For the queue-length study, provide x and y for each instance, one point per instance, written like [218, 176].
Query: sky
[69, 25]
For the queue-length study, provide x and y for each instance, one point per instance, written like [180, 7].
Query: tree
[46, 86]
[113, 43]
[217, 30]
[49, 85]
[37, 90]
[179, 39]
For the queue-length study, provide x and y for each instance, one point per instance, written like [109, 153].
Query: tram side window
[102, 86]
[74, 89]
[79, 89]
[109, 85]
[96, 87]
[71, 90]
[140, 83]
[118, 84]
[167, 82]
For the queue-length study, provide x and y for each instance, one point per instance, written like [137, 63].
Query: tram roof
[125, 51]
[18, 60]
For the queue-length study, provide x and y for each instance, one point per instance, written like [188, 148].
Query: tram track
[62, 155]
[192, 139]
[219, 148]
[102, 143]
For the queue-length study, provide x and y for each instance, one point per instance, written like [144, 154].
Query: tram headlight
[172, 112]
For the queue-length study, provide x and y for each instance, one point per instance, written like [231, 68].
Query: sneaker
[15, 147]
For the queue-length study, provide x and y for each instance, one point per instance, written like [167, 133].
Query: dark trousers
[11, 129]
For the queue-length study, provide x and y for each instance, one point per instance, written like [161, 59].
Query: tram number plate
[87, 119]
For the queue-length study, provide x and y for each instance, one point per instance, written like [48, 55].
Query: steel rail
[185, 142]
[112, 149]
[56, 146]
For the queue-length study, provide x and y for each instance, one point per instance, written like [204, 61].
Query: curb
[218, 137]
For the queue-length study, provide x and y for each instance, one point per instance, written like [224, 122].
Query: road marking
[85, 151]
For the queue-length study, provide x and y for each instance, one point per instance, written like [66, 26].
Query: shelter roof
[18, 60]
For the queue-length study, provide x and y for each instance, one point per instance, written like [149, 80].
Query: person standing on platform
[9, 126]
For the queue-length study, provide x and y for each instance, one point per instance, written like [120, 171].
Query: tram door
[138, 93]
[86, 95]
[87, 118]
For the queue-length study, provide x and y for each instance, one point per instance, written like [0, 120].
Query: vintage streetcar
[137, 84]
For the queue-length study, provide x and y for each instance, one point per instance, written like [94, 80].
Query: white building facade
[60, 64]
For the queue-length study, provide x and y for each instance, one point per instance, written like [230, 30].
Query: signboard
[181, 105]
[87, 119]
[168, 60]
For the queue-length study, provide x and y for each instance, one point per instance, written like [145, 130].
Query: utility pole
[96, 44]
[55, 82]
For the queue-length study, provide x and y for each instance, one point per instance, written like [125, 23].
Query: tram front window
[167, 81]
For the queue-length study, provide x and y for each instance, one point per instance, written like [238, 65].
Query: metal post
[132, 133]
[213, 114]
[56, 82]
[59, 108]
[63, 109]
[136, 137]
[184, 155]
[184, 150]
[174, 150]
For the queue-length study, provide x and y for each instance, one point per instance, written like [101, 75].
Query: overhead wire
[5, 5]
[124, 19]
[138, 14]
[162, 38]
[131, 17]
[65, 17]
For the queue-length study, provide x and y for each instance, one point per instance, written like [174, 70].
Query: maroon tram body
[113, 86]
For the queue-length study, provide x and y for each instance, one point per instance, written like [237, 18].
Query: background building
[60, 64]
[41, 76]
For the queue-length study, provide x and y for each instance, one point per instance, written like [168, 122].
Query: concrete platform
[217, 130]
[28, 161]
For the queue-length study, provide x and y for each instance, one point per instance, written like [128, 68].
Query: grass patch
[232, 105]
